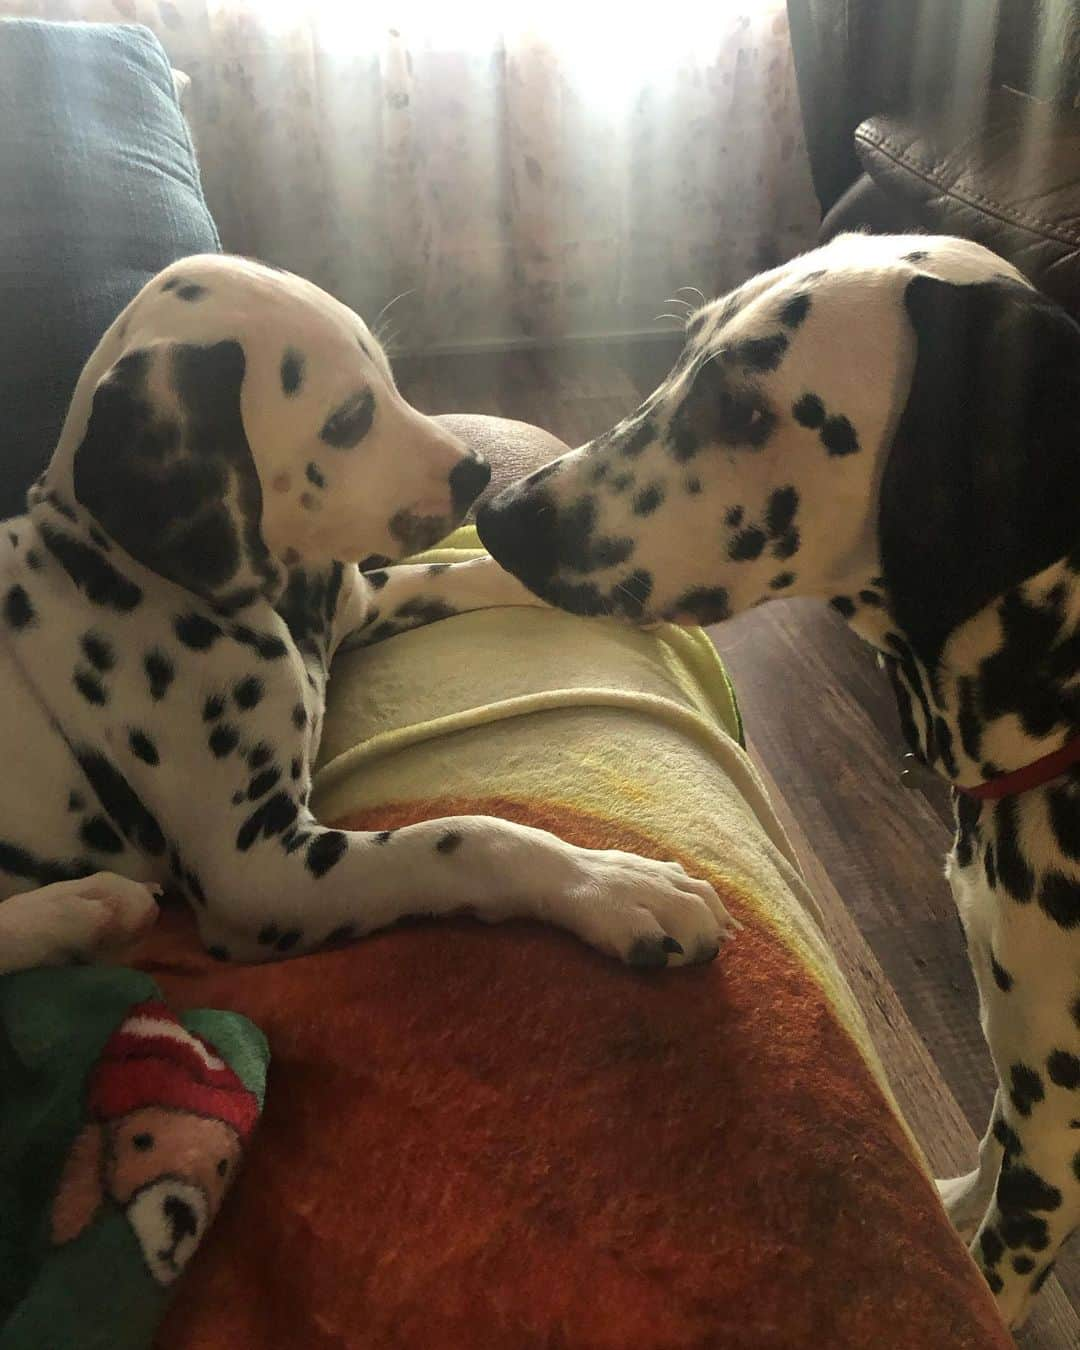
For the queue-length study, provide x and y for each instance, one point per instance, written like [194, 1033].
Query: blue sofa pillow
[99, 190]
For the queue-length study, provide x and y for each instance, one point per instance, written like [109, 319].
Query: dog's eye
[718, 408]
[142, 1142]
[222, 1167]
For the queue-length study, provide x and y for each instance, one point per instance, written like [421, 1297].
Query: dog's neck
[1005, 690]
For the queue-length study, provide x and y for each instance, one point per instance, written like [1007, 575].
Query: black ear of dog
[981, 485]
[177, 490]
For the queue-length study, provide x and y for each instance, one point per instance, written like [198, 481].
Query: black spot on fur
[733, 517]
[292, 372]
[787, 545]
[967, 828]
[384, 836]
[223, 741]
[764, 353]
[261, 784]
[325, 850]
[916, 256]
[648, 499]
[213, 708]
[780, 512]
[143, 747]
[160, 672]
[94, 575]
[33, 560]
[1025, 1230]
[98, 651]
[838, 436]
[1013, 872]
[1040, 1279]
[641, 437]
[1021, 1188]
[747, 545]
[622, 481]
[346, 932]
[194, 885]
[377, 579]
[299, 717]
[98, 834]
[1008, 1139]
[288, 940]
[268, 935]
[196, 631]
[1065, 820]
[266, 645]
[294, 770]
[448, 841]
[843, 605]
[18, 611]
[782, 581]
[218, 952]
[372, 560]
[348, 424]
[91, 688]
[21, 862]
[1027, 1088]
[631, 595]
[809, 411]
[707, 604]
[991, 1246]
[76, 801]
[1063, 1068]
[248, 693]
[1023, 1265]
[1059, 896]
[1002, 978]
[259, 755]
[994, 1280]
[693, 486]
[276, 814]
[795, 310]
[121, 804]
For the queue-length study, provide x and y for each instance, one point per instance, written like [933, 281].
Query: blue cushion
[99, 190]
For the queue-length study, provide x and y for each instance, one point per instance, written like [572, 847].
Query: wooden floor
[822, 728]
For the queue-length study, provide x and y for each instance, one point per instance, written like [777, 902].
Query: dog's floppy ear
[82, 1185]
[981, 483]
[165, 466]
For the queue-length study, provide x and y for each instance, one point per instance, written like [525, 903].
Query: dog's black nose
[468, 478]
[521, 533]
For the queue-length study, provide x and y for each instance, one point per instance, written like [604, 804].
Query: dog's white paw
[647, 913]
[92, 919]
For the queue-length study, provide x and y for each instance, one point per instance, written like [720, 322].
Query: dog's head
[885, 422]
[236, 418]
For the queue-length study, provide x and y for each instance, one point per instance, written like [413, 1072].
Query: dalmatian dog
[890, 424]
[236, 469]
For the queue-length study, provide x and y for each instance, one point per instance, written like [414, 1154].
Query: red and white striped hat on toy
[151, 1060]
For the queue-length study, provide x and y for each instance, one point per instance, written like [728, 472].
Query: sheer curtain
[522, 172]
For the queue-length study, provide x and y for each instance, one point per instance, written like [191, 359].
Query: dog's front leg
[1023, 1200]
[285, 885]
[415, 594]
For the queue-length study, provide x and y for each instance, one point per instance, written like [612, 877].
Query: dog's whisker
[694, 291]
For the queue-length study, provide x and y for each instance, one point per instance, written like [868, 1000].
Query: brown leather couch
[948, 116]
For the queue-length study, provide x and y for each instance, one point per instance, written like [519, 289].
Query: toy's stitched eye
[142, 1142]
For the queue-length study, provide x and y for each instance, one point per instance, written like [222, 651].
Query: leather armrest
[513, 449]
[1013, 184]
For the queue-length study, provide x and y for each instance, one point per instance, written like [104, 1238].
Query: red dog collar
[1030, 776]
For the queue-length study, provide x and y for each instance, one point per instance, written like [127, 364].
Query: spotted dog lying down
[171, 603]
[892, 425]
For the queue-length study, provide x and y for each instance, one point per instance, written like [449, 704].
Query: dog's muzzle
[520, 531]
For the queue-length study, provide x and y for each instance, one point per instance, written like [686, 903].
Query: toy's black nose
[521, 533]
[181, 1219]
[468, 478]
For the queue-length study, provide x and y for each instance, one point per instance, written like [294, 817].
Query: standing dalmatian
[170, 605]
[890, 424]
